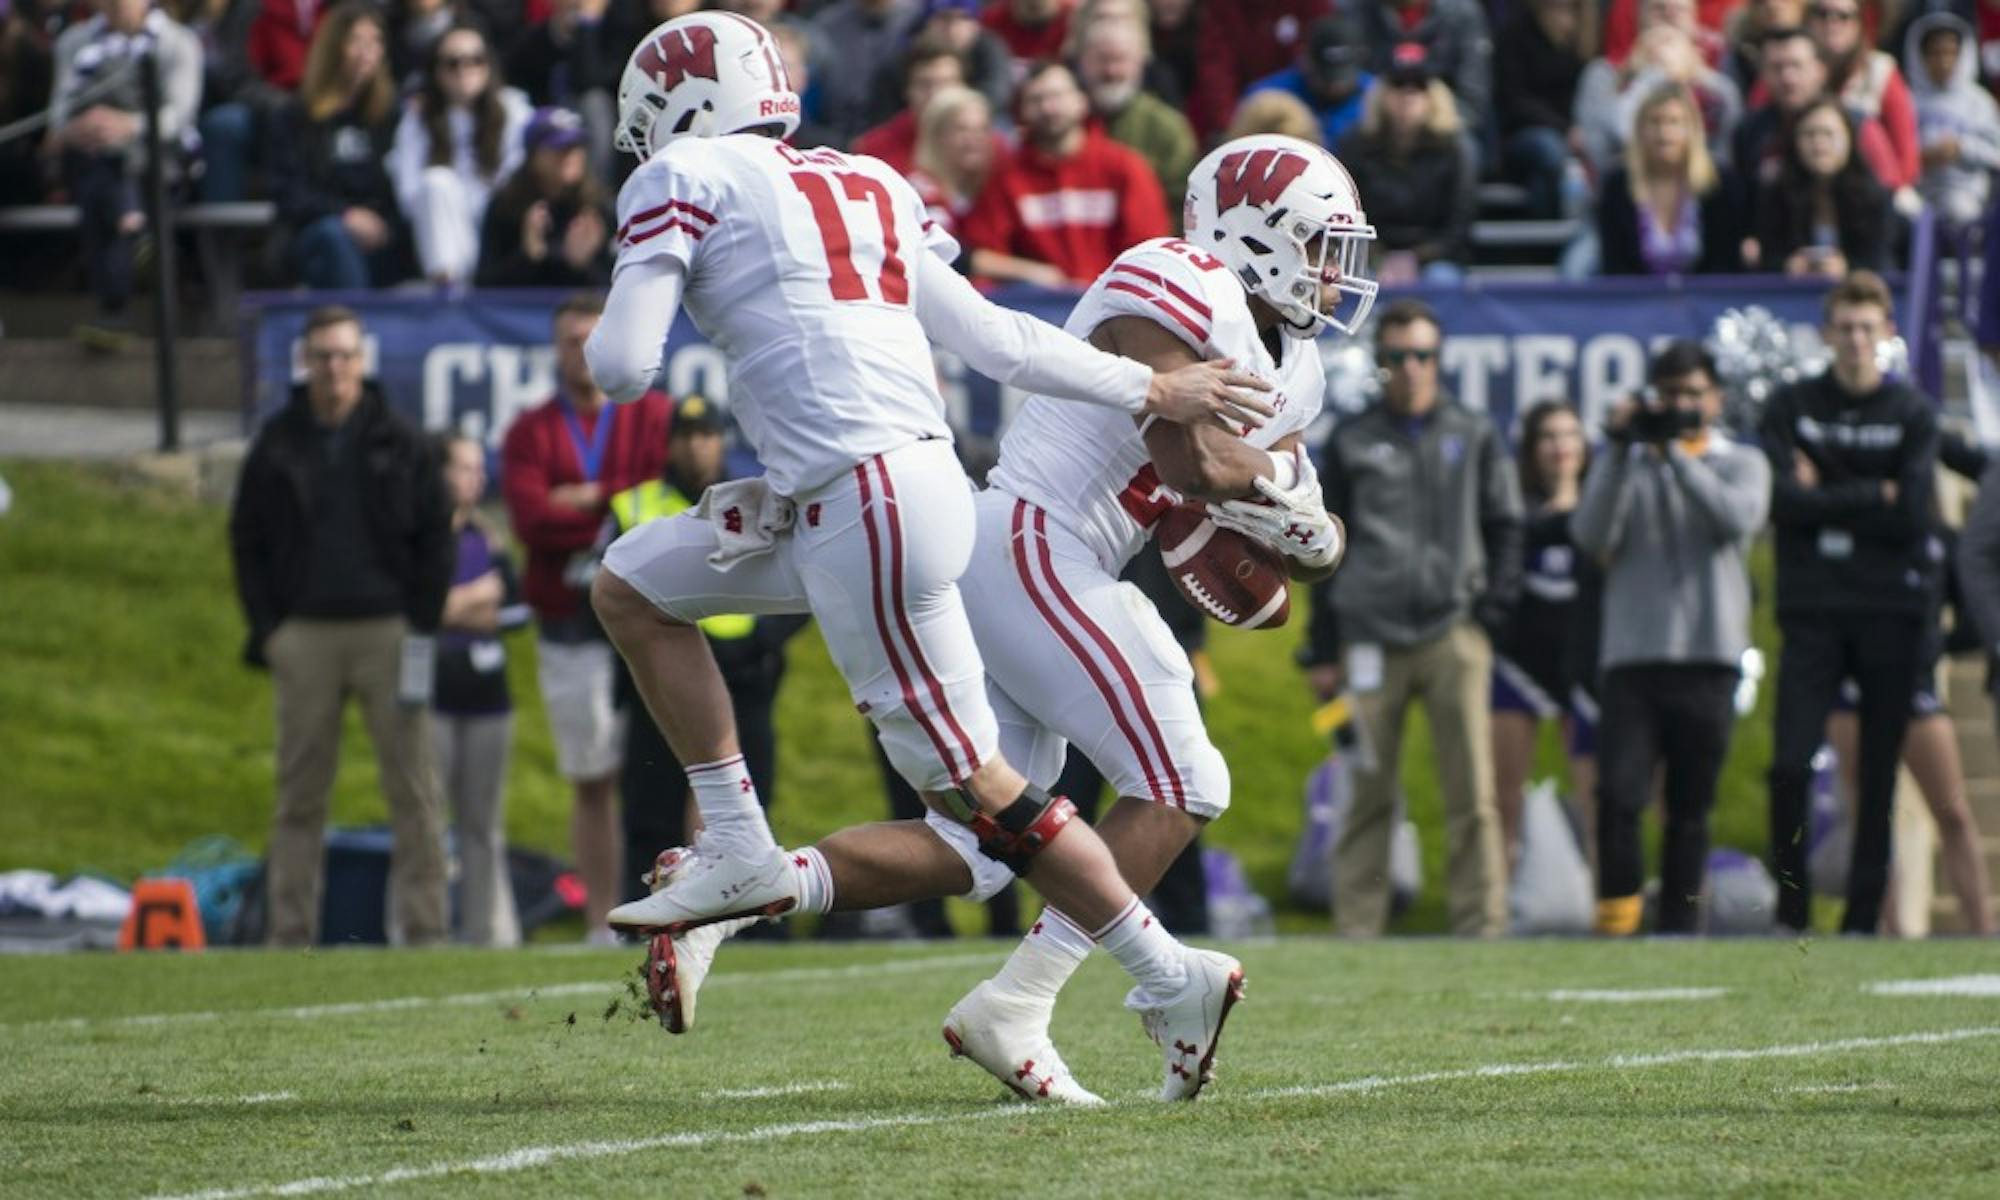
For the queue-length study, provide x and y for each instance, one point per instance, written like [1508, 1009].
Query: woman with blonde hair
[1417, 172]
[1273, 112]
[956, 153]
[1667, 209]
[326, 153]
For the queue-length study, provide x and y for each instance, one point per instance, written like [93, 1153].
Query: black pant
[1881, 653]
[104, 193]
[1679, 714]
[653, 790]
[1180, 900]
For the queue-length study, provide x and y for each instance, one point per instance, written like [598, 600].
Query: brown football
[1222, 573]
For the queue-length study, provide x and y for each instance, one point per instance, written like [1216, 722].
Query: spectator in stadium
[235, 100]
[1112, 52]
[1625, 20]
[1667, 209]
[1930, 747]
[929, 66]
[849, 36]
[1978, 569]
[1176, 31]
[1433, 516]
[573, 60]
[550, 225]
[341, 537]
[1826, 214]
[1157, 77]
[1418, 174]
[1456, 41]
[327, 152]
[1869, 83]
[795, 55]
[1327, 78]
[27, 73]
[1794, 76]
[956, 153]
[1236, 42]
[1538, 56]
[1069, 200]
[989, 68]
[1533, 656]
[472, 708]
[1670, 509]
[559, 467]
[459, 139]
[750, 651]
[1958, 122]
[1273, 112]
[97, 129]
[1852, 454]
[280, 38]
[1031, 30]
[1745, 30]
[1610, 89]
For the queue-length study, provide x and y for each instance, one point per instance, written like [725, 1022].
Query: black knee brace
[1018, 832]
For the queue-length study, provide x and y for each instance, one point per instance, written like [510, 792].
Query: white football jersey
[800, 267]
[1089, 466]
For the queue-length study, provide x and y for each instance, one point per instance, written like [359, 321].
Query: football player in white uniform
[820, 276]
[1274, 253]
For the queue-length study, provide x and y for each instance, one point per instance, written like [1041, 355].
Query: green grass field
[1415, 1068]
[128, 727]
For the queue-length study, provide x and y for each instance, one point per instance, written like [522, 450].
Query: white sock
[1144, 948]
[1046, 958]
[814, 879]
[728, 804]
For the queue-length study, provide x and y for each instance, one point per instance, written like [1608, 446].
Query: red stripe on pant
[894, 512]
[1040, 538]
[868, 508]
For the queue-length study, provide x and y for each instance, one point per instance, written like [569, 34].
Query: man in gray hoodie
[1669, 509]
[1958, 123]
[1433, 514]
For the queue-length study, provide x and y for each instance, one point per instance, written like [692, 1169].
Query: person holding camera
[1669, 509]
[1852, 453]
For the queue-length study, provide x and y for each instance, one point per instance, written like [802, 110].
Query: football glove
[1293, 520]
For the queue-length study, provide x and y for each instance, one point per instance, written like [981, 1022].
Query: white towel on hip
[748, 517]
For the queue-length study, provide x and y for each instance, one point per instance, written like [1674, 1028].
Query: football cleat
[706, 888]
[1008, 1035]
[676, 965]
[1187, 1025]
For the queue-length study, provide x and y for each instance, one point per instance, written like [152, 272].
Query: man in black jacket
[341, 534]
[1851, 460]
[1433, 513]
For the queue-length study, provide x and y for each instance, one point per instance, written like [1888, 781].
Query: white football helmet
[702, 75]
[1284, 216]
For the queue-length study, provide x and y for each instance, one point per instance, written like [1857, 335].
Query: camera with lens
[1657, 424]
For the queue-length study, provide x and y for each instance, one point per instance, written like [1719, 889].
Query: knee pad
[988, 877]
[1208, 781]
[1018, 832]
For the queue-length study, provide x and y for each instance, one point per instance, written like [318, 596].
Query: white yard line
[206, 1101]
[1950, 985]
[789, 1089]
[1818, 1089]
[530, 1157]
[1630, 995]
[520, 994]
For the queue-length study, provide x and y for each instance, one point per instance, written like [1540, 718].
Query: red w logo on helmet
[676, 55]
[1256, 176]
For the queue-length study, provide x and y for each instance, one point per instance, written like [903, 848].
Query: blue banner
[473, 362]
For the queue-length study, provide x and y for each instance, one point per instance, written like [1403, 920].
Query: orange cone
[164, 916]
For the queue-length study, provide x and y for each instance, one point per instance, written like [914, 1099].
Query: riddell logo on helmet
[778, 108]
[674, 56]
[1256, 176]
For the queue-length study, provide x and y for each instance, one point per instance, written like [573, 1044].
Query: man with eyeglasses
[1434, 526]
[341, 536]
[1670, 508]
